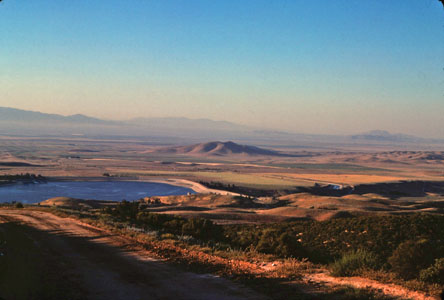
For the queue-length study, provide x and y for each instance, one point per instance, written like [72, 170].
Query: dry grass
[346, 179]
[292, 268]
[257, 180]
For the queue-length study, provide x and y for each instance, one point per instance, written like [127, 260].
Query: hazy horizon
[178, 121]
[341, 67]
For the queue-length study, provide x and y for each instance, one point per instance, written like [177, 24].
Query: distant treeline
[392, 190]
[22, 177]
[17, 164]
[248, 191]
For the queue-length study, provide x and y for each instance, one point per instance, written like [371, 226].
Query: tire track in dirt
[109, 270]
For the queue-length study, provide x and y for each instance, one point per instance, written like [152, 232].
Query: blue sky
[340, 66]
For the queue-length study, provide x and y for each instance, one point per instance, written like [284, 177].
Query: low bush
[198, 228]
[201, 228]
[349, 264]
[280, 243]
[434, 273]
[404, 244]
[412, 256]
[329, 240]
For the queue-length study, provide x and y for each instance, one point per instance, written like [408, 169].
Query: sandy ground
[109, 268]
[197, 187]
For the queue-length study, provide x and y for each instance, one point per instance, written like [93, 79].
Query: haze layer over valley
[184, 131]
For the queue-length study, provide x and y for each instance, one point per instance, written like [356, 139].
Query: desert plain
[314, 182]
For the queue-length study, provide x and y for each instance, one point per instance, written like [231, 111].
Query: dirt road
[391, 290]
[108, 267]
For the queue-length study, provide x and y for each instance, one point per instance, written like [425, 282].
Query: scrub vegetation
[408, 247]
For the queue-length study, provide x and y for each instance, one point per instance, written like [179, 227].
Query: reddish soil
[110, 267]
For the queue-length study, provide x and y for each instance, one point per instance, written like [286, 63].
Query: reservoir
[88, 190]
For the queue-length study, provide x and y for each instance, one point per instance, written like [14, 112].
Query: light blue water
[91, 190]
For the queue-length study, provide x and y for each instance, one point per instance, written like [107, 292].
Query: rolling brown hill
[218, 149]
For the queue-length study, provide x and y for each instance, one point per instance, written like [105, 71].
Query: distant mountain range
[22, 122]
[218, 149]
[185, 123]
[18, 115]
[385, 136]
[179, 130]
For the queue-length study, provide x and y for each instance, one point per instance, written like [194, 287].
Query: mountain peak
[218, 148]
[385, 136]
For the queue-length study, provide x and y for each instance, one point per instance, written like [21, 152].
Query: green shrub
[126, 210]
[202, 229]
[412, 256]
[18, 205]
[289, 246]
[329, 240]
[267, 241]
[283, 244]
[352, 262]
[434, 273]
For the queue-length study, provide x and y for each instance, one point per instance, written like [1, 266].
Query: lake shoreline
[195, 186]
[92, 189]
[99, 188]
